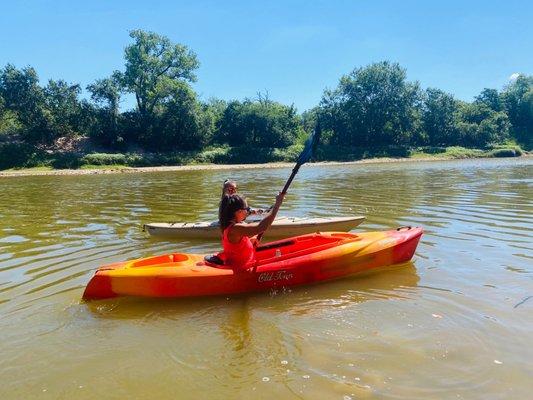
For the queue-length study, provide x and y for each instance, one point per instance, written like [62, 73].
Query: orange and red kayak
[289, 262]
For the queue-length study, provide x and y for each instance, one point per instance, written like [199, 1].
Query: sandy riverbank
[127, 170]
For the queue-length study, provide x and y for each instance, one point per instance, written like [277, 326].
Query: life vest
[241, 255]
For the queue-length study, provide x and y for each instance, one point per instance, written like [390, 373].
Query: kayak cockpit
[289, 248]
[301, 246]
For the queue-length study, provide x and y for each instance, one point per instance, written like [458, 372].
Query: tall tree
[182, 122]
[155, 69]
[374, 105]
[490, 98]
[22, 95]
[107, 93]
[518, 103]
[62, 102]
[479, 125]
[438, 117]
[261, 123]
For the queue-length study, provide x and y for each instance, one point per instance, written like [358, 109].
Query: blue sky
[291, 49]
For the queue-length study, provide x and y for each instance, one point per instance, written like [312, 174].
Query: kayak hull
[281, 227]
[303, 260]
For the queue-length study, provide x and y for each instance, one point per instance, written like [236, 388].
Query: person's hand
[254, 241]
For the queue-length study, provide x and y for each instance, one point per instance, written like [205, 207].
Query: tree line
[372, 106]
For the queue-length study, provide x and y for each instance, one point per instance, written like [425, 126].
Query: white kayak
[281, 227]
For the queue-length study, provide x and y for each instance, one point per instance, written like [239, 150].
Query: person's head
[229, 187]
[233, 208]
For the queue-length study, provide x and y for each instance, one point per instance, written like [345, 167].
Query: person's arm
[239, 230]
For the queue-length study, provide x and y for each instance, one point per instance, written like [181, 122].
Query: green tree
[182, 122]
[260, 123]
[63, 105]
[23, 96]
[479, 125]
[374, 105]
[438, 117]
[517, 98]
[491, 98]
[9, 123]
[107, 93]
[155, 70]
[475, 112]
[494, 129]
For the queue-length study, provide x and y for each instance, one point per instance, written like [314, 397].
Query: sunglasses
[248, 210]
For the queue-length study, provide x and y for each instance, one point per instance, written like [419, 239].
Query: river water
[456, 323]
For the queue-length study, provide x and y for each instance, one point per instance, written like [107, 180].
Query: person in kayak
[229, 188]
[238, 239]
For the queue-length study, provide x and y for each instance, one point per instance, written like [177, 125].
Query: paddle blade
[310, 146]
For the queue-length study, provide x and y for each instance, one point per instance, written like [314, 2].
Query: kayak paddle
[306, 154]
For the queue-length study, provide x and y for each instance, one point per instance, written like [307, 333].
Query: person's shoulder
[242, 227]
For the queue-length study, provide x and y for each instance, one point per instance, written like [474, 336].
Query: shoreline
[199, 167]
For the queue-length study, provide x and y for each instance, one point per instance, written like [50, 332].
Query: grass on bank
[25, 157]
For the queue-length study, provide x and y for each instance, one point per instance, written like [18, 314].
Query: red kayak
[289, 262]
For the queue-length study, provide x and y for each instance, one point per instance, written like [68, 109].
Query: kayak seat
[214, 259]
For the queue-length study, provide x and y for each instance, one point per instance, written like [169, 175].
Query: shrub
[19, 155]
[461, 152]
[105, 159]
[216, 155]
[66, 161]
[509, 152]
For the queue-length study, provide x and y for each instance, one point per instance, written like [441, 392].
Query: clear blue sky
[292, 49]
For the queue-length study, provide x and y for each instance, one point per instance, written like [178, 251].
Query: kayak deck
[281, 227]
[294, 261]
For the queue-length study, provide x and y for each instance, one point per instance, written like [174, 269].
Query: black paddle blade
[310, 146]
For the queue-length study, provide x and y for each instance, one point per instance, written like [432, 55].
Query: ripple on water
[14, 239]
[445, 325]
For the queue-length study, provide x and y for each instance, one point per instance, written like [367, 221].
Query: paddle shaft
[289, 181]
[284, 191]
[305, 155]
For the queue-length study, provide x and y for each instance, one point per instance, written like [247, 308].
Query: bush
[19, 155]
[351, 153]
[461, 152]
[506, 153]
[338, 153]
[216, 155]
[288, 154]
[433, 150]
[248, 155]
[67, 161]
[105, 159]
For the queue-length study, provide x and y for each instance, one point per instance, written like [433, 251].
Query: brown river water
[455, 323]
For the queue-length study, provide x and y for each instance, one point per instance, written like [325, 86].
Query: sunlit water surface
[457, 322]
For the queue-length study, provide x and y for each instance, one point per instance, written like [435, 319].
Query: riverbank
[120, 169]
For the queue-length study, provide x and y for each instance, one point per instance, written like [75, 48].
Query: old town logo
[274, 276]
